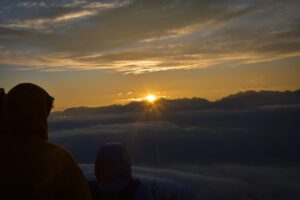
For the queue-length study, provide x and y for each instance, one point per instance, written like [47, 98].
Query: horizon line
[180, 98]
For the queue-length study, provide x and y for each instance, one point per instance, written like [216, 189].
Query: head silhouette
[28, 107]
[113, 163]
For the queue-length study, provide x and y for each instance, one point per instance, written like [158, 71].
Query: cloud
[218, 181]
[75, 12]
[244, 146]
[247, 128]
[32, 5]
[147, 36]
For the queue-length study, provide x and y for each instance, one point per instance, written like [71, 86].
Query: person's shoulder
[142, 187]
[69, 180]
[62, 159]
[54, 147]
[58, 152]
[142, 192]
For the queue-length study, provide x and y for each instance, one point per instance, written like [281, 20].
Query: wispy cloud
[142, 36]
[46, 23]
[82, 9]
[32, 5]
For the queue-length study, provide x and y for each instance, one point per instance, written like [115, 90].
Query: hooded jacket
[114, 179]
[31, 167]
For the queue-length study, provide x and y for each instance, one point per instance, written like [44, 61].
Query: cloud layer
[218, 181]
[145, 36]
[244, 146]
[246, 128]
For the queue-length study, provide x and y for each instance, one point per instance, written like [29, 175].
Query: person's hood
[113, 163]
[27, 110]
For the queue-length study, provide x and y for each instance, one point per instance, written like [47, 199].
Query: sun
[150, 98]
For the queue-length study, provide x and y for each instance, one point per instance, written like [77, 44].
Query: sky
[94, 53]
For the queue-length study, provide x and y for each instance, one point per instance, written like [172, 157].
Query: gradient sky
[96, 53]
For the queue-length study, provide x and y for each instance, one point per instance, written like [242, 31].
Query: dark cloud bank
[244, 146]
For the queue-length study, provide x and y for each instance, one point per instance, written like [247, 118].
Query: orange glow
[150, 98]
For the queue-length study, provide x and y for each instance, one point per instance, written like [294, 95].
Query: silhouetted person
[114, 180]
[2, 97]
[32, 168]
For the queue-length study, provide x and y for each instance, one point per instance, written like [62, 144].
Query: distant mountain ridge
[259, 98]
[240, 100]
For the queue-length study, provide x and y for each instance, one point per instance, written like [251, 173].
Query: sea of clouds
[250, 153]
[218, 181]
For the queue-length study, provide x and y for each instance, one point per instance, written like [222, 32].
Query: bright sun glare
[151, 98]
